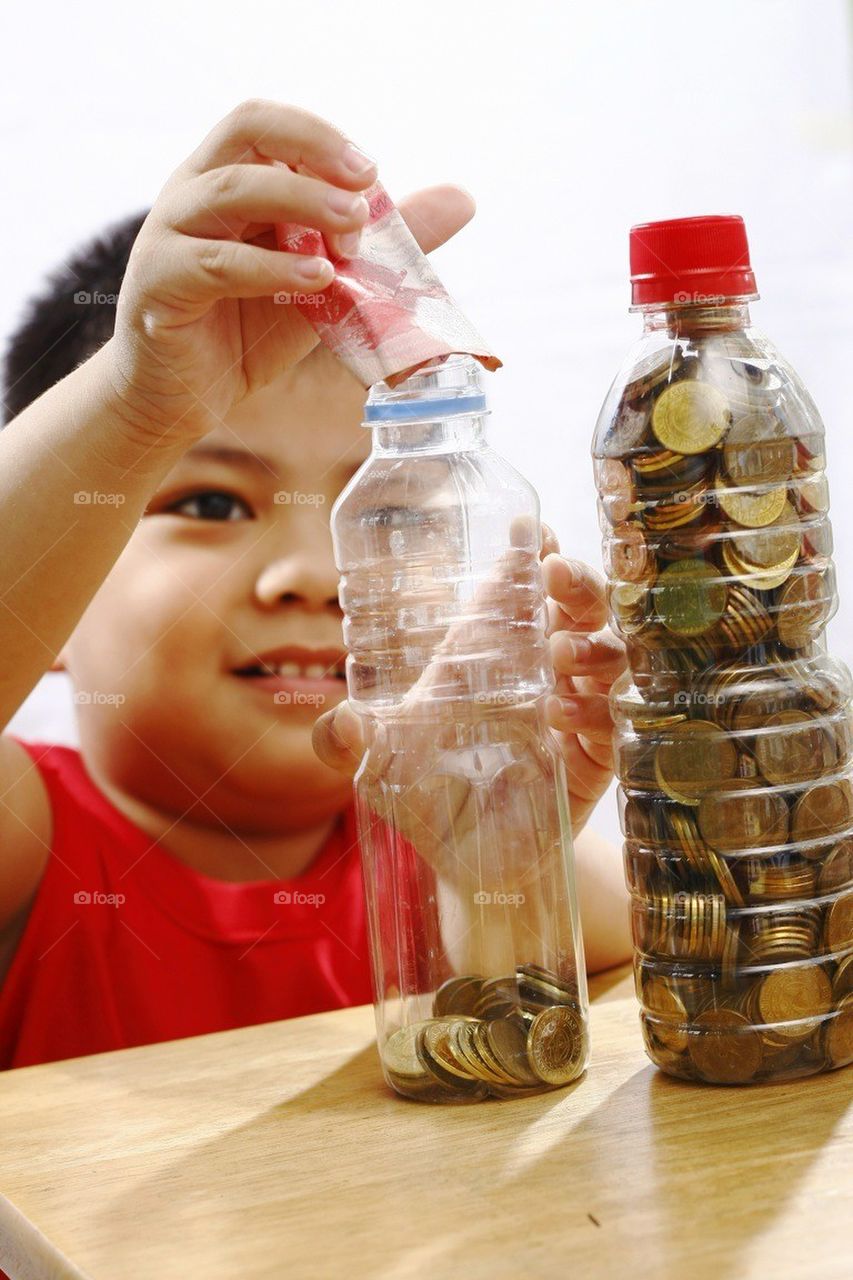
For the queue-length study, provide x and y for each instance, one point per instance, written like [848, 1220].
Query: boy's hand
[587, 659]
[197, 324]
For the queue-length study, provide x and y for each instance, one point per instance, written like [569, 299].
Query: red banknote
[386, 312]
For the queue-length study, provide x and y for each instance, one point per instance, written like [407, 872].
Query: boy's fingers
[202, 271]
[578, 590]
[550, 544]
[601, 656]
[259, 131]
[436, 213]
[588, 769]
[227, 200]
[337, 739]
[588, 716]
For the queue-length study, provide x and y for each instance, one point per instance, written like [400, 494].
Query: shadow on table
[648, 1178]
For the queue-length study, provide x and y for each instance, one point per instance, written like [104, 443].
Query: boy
[155, 547]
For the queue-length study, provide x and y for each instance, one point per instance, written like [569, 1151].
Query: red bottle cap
[690, 260]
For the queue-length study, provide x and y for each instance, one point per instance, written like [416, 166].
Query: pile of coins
[500, 1037]
[733, 742]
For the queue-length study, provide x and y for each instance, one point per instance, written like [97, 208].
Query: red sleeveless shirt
[125, 945]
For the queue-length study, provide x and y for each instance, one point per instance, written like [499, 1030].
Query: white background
[568, 122]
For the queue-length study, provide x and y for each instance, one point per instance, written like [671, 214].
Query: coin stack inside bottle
[491, 1037]
[733, 724]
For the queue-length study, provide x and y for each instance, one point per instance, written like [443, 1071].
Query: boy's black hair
[70, 319]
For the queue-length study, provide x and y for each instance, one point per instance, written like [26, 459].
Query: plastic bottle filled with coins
[461, 797]
[732, 722]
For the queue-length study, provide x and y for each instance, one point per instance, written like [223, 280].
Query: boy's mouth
[296, 670]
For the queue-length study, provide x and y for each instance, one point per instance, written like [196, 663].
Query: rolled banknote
[386, 313]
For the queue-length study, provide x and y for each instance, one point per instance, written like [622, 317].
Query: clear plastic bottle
[461, 795]
[733, 730]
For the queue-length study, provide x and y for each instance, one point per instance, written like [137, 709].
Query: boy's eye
[212, 504]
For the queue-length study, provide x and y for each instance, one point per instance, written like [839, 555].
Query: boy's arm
[603, 901]
[197, 329]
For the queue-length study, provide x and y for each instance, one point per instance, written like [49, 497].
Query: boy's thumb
[337, 738]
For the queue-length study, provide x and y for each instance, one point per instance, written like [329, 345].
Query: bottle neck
[694, 318]
[441, 435]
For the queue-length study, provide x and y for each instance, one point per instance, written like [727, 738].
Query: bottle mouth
[445, 388]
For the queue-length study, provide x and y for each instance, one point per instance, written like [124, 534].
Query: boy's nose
[310, 578]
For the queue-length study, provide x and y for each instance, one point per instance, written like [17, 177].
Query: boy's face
[204, 659]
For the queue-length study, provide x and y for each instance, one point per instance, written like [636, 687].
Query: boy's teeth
[293, 670]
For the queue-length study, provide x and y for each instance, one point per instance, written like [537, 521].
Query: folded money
[386, 313]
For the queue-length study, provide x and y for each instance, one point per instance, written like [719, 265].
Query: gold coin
[804, 608]
[823, 810]
[460, 1044]
[752, 510]
[400, 1054]
[538, 986]
[459, 1080]
[690, 597]
[653, 370]
[839, 923]
[837, 870]
[668, 1060]
[690, 417]
[479, 1046]
[464, 1043]
[792, 998]
[653, 461]
[433, 1044]
[457, 995]
[628, 604]
[842, 980]
[696, 756]
[839, 1034]
[767, 882]
[743, 820]
[759, 450]
[724, 1047]
[663, 516]
[770, 548]
[555, 1044]
[782, 936]
[745, 621]
[507, 1041]
[668, 1025]
[793, 746]
[754, 578]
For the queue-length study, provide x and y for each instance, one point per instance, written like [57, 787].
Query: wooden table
[275, 1151]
